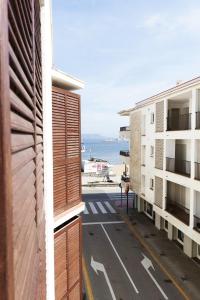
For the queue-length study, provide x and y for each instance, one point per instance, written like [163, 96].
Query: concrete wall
[135, 150]
[160, 116]
[159, 154]
[158, 192]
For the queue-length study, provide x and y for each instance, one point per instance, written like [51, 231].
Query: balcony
[182, 167]
[124, 132]
[179, 122]
[178, 211]
[125, 128]
[197, 170]
[197, 223]
[125, 153]
[198, 120]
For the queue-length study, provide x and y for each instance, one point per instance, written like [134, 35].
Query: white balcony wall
[178, 194]
[197, 204]
[180, 149]
[197, 151]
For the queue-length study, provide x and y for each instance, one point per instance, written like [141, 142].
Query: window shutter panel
[66, 149]
[24, 118]
[67, 243]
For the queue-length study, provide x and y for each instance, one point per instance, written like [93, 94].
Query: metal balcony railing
[179, 166]
[197, 170]
[197, 223]
[125, 153]
[198, 120]
[125, 128]
[178, 210]
[182, 122]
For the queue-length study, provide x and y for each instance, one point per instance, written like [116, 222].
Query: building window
[151, 184]
[152, 118]
[151, 151]
[180, 236]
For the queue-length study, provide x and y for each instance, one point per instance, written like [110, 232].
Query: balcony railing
[179, 166]
[179, 211]
[125, 153]
[198, 120]
[181, 122]
[125, 128]
[197, 170]
[197, 223]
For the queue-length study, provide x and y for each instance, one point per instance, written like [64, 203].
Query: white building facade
[165, 162]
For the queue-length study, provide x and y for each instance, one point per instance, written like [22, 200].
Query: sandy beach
[116, 172]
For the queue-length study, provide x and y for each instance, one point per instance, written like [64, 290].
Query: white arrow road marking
[100, 267]
[146, 262]
[121, 262]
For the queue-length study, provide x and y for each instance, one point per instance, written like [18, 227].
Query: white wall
[48, 154]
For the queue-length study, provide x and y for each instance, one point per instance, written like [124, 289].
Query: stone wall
[158, 191]
[135, 151]
[160, 116]
[159, 145]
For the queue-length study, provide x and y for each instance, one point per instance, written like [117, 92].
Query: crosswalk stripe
[86, 212]
[93, 208]
[102, 209]
[111, 209]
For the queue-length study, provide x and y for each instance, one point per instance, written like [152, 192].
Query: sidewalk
[184, 271]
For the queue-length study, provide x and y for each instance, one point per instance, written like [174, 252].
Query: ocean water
[105, 150]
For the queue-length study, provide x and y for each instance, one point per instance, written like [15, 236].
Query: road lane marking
[111, 209]
[146, 262]
[93, 208]
[102, 209]
[100, 267]
[107, 223]
[86, 212]
[87, 281]
[123, 266]
[154, 256]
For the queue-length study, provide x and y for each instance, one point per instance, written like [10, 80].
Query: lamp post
[120, 186]
[126, 192]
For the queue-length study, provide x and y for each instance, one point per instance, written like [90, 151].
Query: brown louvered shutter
[66, 149]
[68, 261]
[24, 118]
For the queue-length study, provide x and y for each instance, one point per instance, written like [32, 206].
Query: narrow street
[117, 264]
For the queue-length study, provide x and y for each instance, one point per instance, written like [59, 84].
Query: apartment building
[165, 162]
[40, 201]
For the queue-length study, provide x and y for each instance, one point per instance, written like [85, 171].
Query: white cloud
[187, 22]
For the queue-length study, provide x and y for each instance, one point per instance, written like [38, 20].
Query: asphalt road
[118, 266]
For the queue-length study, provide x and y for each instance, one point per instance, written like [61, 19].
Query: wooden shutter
[25, 147]
[66, 149]
[68, 261]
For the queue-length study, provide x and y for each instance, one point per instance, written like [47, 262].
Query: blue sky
[124, 51]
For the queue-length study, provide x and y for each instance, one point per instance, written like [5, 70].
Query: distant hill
[88, 137]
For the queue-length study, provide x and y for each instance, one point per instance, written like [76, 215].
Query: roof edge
[66, 81]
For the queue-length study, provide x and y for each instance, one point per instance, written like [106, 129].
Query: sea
[107, 150]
